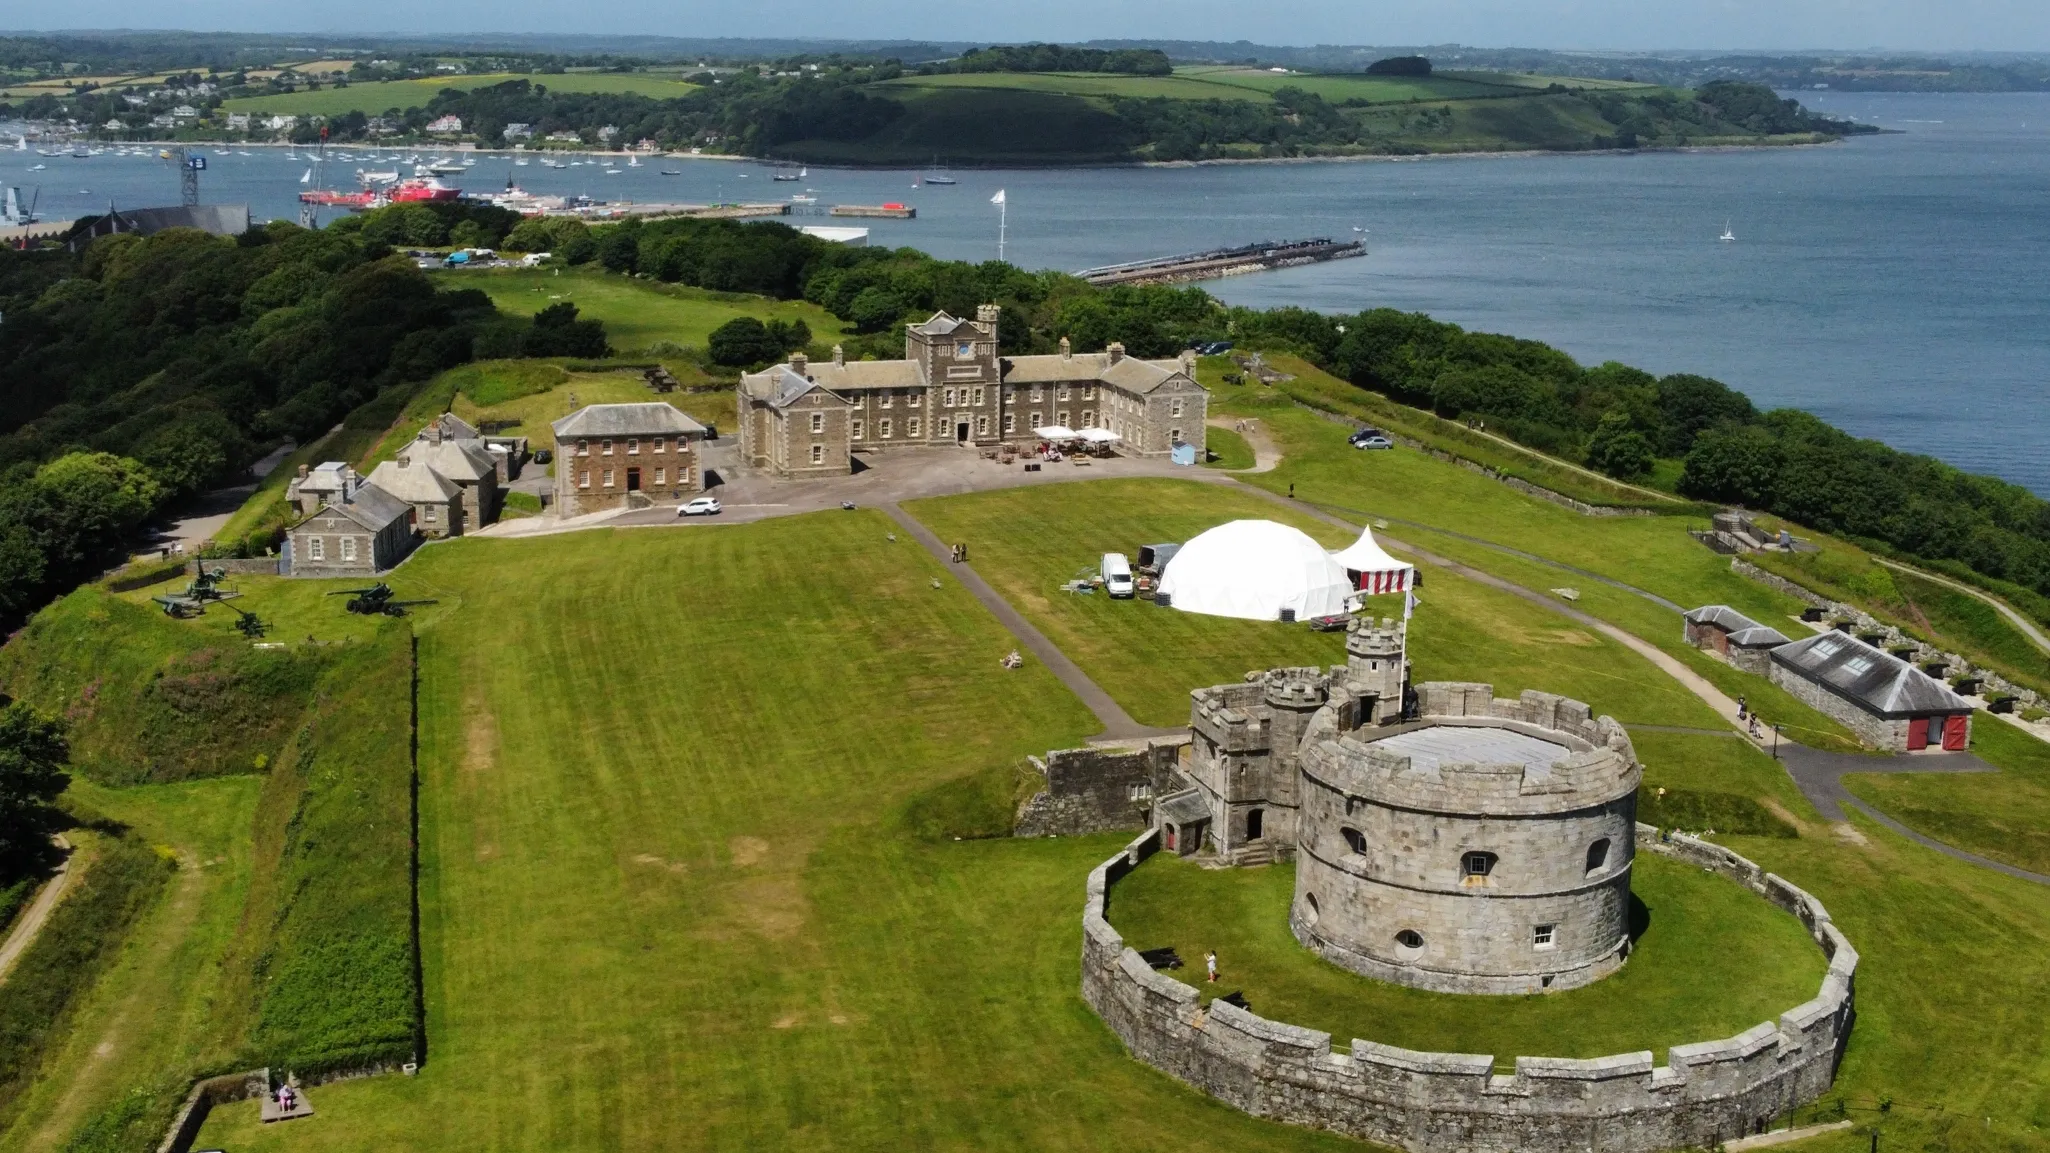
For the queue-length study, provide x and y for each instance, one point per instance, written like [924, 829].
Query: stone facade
[362, 533]
[1098, 790]
[1484, 848]
[1876, 731]
[1245, 739]
[1706, 1093]
[801, 419]
[614, 456]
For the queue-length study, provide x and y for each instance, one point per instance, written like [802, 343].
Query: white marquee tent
[1253, 569]
[1372, 569]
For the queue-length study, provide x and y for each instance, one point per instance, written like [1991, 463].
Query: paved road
[1118, 725]
[38, 912]
[1266, 454]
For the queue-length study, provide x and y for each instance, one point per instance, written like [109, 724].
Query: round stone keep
[1487, 852]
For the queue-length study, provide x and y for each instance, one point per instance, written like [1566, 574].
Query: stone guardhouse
[1888, 702]
[1723, 630]
[611, 456]
[801, 419]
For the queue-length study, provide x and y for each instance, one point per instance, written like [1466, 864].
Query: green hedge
[82, 936]
[335, 978]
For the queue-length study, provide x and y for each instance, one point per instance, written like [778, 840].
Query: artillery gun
[249, 624]
[202, 589]
[376, 600]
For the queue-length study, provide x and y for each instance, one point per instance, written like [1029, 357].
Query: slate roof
[1184, 807]
[1874, 680]
[1128, 373]
[940, 325]
[455, 426]
[415, 482]
[1744, 632]
[647, 418]
[860, 374]
[457, 460]
[369, 506]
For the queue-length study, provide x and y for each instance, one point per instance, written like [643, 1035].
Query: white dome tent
[1373, 571]
[1253, 569]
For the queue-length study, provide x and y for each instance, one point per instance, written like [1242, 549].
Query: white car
[700, 506]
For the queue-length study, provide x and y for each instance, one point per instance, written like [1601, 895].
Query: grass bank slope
[638, 313]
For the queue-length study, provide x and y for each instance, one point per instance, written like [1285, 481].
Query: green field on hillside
[1231, 82]
[1711, 961]
[638, 313]
[380, 95]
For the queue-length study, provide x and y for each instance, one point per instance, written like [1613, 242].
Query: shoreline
[736, 158]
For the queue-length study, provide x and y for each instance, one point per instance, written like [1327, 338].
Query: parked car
[701, 506]
[1374, 441]
[543, 456]
[1117, 575]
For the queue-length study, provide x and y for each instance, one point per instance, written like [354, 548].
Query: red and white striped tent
[1372, 570]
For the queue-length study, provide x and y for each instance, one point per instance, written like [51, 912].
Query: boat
[633, 162]
[306, 177]
[441, 168]
[938, 175]
[37, 167]
[671, 172]
[1727, 234]
[801, 198]
[421, 189]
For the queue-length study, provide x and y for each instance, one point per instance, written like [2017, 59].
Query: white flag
[1409, 602]
[998, 198]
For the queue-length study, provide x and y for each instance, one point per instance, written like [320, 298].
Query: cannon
[249, 624]
[376, 600]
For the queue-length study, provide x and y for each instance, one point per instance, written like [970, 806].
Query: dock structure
[1224, 262]
[890, 211]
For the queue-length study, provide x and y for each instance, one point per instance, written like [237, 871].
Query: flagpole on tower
[1003, 214]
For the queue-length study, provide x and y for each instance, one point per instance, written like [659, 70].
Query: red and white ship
[376, 195]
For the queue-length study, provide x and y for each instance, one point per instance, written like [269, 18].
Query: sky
[1929, 25]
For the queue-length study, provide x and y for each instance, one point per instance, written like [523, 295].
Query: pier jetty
[1224, 262]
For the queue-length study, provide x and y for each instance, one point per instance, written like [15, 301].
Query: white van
[1117, 575]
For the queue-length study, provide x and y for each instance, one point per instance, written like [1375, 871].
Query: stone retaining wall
[1098, 790]
[1706, 1093]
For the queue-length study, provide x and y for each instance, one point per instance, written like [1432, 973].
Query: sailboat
[938, 175]
[633, 161]
[1727, 234]
[306, 177]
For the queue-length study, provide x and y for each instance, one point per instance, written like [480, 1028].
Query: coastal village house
[800, 419]
[447, 480]
[611, 456]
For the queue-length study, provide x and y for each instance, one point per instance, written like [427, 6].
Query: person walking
[1210, 963]
[1743, 709]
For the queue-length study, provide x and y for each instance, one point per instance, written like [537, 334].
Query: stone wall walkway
[1118, 725]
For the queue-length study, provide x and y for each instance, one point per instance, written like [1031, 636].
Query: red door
[1954, 732]
[1918, 733]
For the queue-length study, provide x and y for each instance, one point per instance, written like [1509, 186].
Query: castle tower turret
[1376, 670]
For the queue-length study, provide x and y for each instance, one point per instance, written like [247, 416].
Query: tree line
[145, 370]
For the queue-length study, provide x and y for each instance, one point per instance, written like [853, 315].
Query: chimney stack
[1066, 352]
[302, 472]
[404, 460]
[799, 362]
[839, 356]
[434, 432]
[1116, 349]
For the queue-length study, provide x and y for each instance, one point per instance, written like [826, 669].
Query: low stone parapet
[1708, 1092]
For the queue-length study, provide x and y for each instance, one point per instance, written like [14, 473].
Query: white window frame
[633, 446]
[660, 443]
[885, 398]
[584, 479]
[348, 548]
[978, 396]
[1010, 423]
[982, 426]
[883, 429]
[912, 429]
[608, 478]
[661, 476]
[1543, 937]
[1174, 407]
[316, 548]
[856, 429]
[818, 454]
[947, 398]
[818, 423]
[605, 448]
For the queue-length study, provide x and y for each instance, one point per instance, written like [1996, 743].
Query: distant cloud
[1932, 25]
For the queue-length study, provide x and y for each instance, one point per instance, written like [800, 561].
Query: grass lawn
[378, 96]
[1228, 449]
[159, 1012]
[1027, 541]
[638, 313]
[1712, 960]
[2004, 815]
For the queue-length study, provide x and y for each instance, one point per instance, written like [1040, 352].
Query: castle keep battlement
[1706, 1093]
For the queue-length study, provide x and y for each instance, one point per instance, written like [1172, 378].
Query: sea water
[1893, 285]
